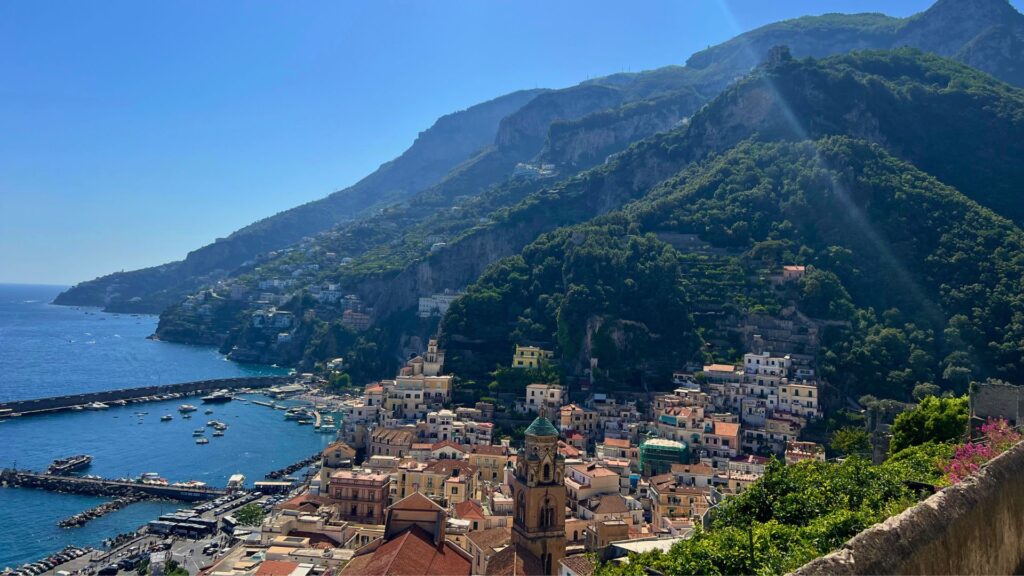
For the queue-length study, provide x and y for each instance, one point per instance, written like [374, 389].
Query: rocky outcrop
[591, 139]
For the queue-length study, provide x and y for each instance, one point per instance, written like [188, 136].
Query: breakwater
[82, 518]
[58, 403]
[103, 487]
[274, 475]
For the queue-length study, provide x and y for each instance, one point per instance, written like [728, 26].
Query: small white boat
[186, 408]
[166, 418]
[96, 406]
[218, 434]
[199, 431]
[202, 440]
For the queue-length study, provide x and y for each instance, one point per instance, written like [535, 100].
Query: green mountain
[899, 276]
[914, 277]
[576, 128]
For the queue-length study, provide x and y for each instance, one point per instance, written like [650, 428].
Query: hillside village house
[529, 356]
[546, 396]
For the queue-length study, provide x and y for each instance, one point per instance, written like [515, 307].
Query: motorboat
[69, 464]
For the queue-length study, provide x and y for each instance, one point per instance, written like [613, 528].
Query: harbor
[127, 442]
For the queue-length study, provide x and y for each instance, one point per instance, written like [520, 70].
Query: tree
[923, 390]
[249, 515]
[940, 420]
[850, 441]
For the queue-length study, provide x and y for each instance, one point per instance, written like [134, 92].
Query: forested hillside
[928, 280]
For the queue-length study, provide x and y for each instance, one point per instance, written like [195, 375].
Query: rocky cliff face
[591, 139]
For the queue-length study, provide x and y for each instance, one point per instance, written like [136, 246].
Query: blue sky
[131, 133]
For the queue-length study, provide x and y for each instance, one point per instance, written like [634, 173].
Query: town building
[530, 356]
[414, 542]
[360, 496]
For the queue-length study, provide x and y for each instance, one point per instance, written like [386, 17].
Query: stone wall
[998, 401]
[976, 527]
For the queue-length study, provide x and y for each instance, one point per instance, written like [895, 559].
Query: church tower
[538, 492]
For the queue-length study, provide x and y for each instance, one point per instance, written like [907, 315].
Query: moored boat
[218, 397]
[69, 464]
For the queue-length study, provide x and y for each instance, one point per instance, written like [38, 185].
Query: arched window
[547, 472]
[547, 514]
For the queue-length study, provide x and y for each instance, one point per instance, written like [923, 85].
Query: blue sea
[48, 350]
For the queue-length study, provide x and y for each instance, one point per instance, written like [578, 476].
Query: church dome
[541, 427]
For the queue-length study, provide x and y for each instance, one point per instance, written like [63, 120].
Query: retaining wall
[976, 527]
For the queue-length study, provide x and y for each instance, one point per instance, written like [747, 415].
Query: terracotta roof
[609, 504]
[490, 450]
[719, 368]
[490, 539]
[469, 510]
[304, 501]
[580, 564]
[447, 465]
[410, 553]
[340, 446]
[566, 450]
[276, 568]
[448, 444]
[697, 469]
[415, 501]
[617, 442]
[727, 428]
[514, 561]
[422, 446]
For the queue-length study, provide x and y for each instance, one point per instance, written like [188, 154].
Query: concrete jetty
[133, 395]
[103, 487]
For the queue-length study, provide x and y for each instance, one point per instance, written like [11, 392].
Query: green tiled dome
[542, 427]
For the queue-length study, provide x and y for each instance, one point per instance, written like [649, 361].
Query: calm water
[48, 350]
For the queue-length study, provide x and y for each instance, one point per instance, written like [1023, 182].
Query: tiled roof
[609, 504]
[469, 510]
[617, 442]
[696, 469]
[447, 465]
[726, 428]
[490, 450]
[448, 444]
[276, 568]
[514, 561]
[719, 368]
[411, 552]
[490, 539]
[541, 426]
[580, 564]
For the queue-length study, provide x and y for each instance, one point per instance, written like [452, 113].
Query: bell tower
[538, 492]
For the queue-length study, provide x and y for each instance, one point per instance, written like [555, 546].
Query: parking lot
[192, 553]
